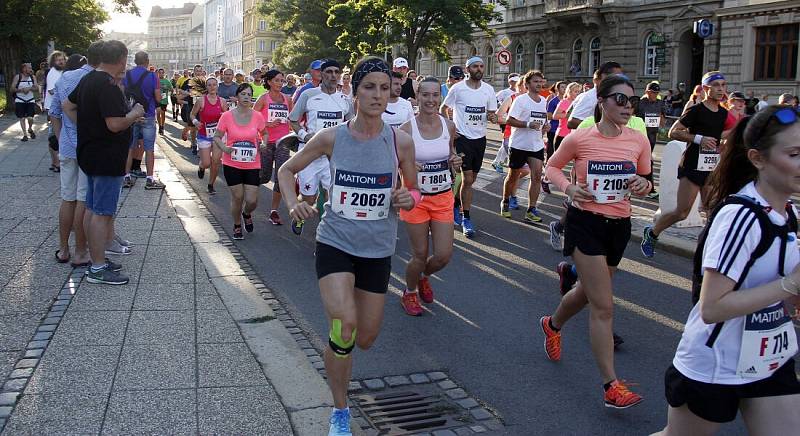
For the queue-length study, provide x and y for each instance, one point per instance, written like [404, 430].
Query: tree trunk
[10, 63]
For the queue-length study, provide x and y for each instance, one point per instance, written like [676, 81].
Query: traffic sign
[703, 28]
[504, 57]
[505, 42]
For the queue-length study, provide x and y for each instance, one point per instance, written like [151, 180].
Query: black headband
[330, 63]
[370, 66]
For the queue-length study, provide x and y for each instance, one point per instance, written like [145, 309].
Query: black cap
[653, 86]
[737, 94]
[456, 72]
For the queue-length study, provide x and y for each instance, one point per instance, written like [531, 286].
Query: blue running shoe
[457, 216]
[340, 423]
[499, 168]
[532, 216]
[648, 242]
[512, 203]
[466, 226]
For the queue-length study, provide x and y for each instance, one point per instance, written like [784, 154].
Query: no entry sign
[504, 57]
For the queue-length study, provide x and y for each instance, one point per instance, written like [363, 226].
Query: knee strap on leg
[338, 345]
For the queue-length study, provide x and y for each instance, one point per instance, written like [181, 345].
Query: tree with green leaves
[307, 35]
[374, 26]
[26, 26]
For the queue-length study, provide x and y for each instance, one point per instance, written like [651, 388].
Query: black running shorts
[596, 235]
[473, 151]
[720, 403]
[518, 158]
[372, 274]
[697, 177]
[236, 176]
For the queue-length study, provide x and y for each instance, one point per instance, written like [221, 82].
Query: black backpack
[133, 92]
[769, 231]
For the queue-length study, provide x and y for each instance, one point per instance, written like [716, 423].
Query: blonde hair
[573, 85]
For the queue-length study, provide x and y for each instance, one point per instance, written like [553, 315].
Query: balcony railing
[551, 6]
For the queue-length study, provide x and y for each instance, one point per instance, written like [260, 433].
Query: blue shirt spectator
[68, 139]
[551, 108]
[149, 86]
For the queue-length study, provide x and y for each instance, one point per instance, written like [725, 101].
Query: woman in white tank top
[435, 157]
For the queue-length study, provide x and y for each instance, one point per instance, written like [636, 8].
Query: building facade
[133, 41]
[258, 43]
[759, 46]
[169, 42]
[233, 28]
[213, 34]
[652, 39]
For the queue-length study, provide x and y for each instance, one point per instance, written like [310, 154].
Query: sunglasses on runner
[785, 116]
[621, 99]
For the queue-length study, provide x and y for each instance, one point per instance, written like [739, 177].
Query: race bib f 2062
[361, 196]
[608, 181]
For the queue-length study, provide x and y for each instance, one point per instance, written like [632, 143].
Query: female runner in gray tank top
[357, 233]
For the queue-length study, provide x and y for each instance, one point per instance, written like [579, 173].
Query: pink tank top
[273, 111]
[209, 117]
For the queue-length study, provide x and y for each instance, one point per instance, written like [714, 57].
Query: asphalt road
[482, 329]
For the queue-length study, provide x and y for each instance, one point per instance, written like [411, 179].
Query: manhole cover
[405, 411]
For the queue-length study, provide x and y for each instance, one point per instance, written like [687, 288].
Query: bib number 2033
[361, 196]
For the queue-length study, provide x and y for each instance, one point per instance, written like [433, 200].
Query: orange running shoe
[619, 396]
[410, 303]
[552, 340]
[425, 290]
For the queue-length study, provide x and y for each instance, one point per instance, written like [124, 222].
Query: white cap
[400, 62]
[513, 77]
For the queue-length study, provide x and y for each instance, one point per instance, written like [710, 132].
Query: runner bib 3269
[434, 177]
[768, 341]
[608, 181]
[361, 196]
[707, 160]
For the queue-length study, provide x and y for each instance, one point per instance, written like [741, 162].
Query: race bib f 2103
[608, 181]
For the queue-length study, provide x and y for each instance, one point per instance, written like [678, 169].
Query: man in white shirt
[57, 61]
[764, 102]
[583, 106]
[473, 103]
[528, 120]
[504, 93]
[399, 110]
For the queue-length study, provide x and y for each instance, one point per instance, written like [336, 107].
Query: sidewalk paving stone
[164, 296]
[161, 327]
[65, 367]
[64, 413]
[228, 365]
[152, 412]
[103, 297]
[157, 366]
[248, 410]
[91, 328]
[216, 326]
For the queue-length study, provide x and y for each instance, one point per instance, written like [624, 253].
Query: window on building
[274, 45]
[538, 56]
[441, 69]
[519, 58]
[489, 62]
[262, 25]
[650, 65]
[576, 66]
[262, 45]
[776, 52]
[594, 54]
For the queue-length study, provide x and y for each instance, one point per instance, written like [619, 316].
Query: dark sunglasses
[621, 99]
[785, 116]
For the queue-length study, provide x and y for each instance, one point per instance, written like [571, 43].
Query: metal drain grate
[404, 412]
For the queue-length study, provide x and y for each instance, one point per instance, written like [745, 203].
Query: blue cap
[315, 65]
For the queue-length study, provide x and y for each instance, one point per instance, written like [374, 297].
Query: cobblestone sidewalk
[173, 352]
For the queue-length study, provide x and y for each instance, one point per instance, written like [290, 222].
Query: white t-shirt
[761, 105]
[503, 94]
[471, 108]
[583, 106]
[321, 110]
[525, 109]
[52, 77]
[398, 112]
[731, 239]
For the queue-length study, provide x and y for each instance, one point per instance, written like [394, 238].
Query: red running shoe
[425, 290]
[618, 396]
[410, 303]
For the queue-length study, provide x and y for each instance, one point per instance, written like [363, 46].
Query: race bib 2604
[608, 181]
[361, 196]
[475, 116]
